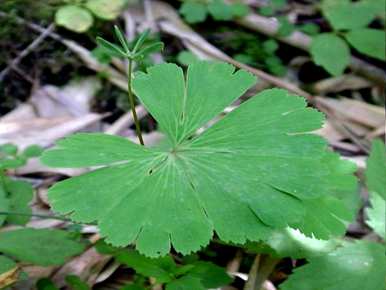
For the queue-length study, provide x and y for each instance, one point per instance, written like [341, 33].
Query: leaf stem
[132, 104]
[261, 268]
[43, 216]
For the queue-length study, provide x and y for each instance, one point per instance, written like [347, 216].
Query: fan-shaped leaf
[256, 169]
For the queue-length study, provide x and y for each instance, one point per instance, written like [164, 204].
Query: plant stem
[132, 104]
[261, 269]
[43, 216]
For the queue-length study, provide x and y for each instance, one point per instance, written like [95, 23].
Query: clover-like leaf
[330, 52]
[345, 14]
[251, 172]
[368, 41]
[357, 266]
[74, 18]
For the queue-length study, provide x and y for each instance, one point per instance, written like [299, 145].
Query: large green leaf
[74, 18]
[345, 14]
[39, 246]
[357, 266]
[255, 170]
[330, 52]
[368, 41]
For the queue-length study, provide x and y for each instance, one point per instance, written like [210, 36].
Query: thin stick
[27, 50]
[132, 104]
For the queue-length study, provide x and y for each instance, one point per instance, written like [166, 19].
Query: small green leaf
[74, 18]
[186, 283]
[76, 283]
[39, 246]
[141, 39]
[310, 28]
[239, 9]
[152, 48]
[11, 162]
[6, 264]
[46, 284]
[112, 49]
[355, 266]
[106, 9]
[8, 149]
[20, 194]
[122, 39]
[267, 11]
[133, 287]
[270, 45]
[193, 12]
[186, 57]
[368, 41]
[33, 151]
[220, 10]
[210, 275]
[347, 15]
[160, 268]
[286, 28]
[101, 54]
[330, 52]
